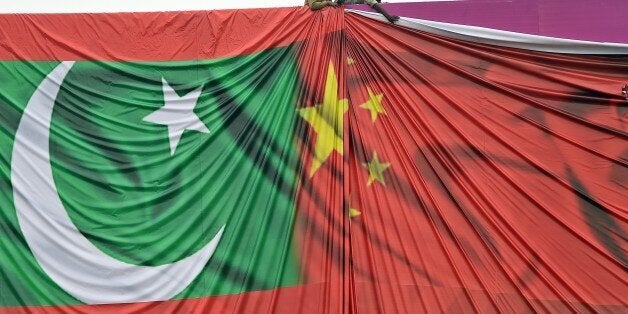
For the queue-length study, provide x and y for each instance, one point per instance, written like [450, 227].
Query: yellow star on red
[327, 120]
[376, 169]
[354, 213]
[374, 105]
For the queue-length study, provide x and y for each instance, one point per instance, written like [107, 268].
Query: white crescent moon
[71, 260]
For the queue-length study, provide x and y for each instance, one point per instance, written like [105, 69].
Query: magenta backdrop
[595, 20]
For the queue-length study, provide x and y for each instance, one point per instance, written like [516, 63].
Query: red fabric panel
[301, 299]
[158, 36]
[506, 189]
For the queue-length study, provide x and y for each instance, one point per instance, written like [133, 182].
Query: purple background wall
[596, 20]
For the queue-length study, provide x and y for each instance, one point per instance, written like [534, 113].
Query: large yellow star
[374, 104]
[327, 121]
[376, 169]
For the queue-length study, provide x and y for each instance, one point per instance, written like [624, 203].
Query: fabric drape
[320, 162]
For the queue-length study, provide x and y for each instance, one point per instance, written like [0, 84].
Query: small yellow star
[374, 105]
[354, 213]
[327, 119]
[376, 169]
[350, 61]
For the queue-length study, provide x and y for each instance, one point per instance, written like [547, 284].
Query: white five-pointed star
[177, 113]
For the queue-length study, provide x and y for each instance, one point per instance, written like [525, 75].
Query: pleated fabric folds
[284, 160]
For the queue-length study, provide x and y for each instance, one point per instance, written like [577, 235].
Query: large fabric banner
[284, 160]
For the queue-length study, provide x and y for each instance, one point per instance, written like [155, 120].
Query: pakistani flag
[128, 182]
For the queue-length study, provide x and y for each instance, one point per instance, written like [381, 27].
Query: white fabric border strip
[506, 38]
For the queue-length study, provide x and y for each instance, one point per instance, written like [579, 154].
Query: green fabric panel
[134, 201]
